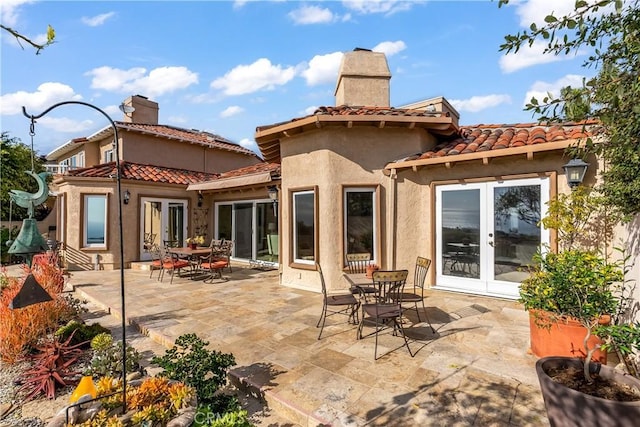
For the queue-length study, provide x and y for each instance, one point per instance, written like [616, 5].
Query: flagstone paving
[474, 371]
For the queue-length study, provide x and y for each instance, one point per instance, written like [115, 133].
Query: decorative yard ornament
[30, 200]
[30, 293]
[29, 240]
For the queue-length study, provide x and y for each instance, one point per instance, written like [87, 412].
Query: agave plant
[51, 369]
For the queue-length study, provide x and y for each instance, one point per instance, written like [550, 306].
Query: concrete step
[253, 382]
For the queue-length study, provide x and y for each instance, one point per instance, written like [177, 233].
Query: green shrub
[207, 417]
[83, 332]
[107, 359]
[191, 363]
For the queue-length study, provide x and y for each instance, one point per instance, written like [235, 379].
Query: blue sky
[227, 67]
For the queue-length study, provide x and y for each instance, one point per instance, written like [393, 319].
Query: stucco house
[399, 182]
[360, 176]
[158, 163]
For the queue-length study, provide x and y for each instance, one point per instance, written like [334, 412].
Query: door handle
[490, 243]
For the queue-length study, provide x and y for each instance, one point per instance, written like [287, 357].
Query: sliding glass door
[487, 234]
[253, 227]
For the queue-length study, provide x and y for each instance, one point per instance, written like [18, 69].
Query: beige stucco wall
[81, 258]
[335, 157]
[330, 159]
[152, 150]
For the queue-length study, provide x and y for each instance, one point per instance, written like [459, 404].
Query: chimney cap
[357, 49]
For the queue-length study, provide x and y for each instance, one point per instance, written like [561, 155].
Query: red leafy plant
[51, 369]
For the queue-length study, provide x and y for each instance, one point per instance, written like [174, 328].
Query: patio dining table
[192, 255]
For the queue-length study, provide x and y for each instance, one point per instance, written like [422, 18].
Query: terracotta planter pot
[370, 270]
[563, 338]
[193, 245]
[568, 407]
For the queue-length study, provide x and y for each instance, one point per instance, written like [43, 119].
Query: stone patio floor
[474, 371]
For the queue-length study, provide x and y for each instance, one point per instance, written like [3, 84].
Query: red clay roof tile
[192, 136]
[479, 138]
[140, 172]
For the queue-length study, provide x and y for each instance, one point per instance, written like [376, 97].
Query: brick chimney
[145, 111]
[363, 79]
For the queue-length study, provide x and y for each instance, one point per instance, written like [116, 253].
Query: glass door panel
[160, 220]
[243, 242]
[487, 234]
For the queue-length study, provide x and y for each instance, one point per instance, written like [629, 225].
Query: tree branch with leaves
[610, 31]
[51, 34]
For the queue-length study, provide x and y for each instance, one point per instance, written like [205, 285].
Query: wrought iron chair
[357, 264]
[173, 264]
[416, 295]
[156, 260]
[385, 310]
[213, 264]
[332, 304]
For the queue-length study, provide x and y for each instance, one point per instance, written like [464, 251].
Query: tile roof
[192, 136]
[480, 138]
[273, 168]
[140, 172]
[346, 110]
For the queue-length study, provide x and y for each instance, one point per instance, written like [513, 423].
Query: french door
[162, 220]
[253, 227]
[487, 234]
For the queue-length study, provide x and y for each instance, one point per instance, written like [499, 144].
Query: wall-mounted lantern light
[273, 195]
[575, 171]
[126, 197]
[200, 199]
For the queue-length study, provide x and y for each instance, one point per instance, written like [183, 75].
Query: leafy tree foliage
[15, 160]
[610, 31]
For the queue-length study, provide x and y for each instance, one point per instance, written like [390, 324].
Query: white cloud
[306, 15]
[179, 120]
[309, 110]
[261, 75]
[540, 89]
[323, 69]
[479, 103]
[9, 11]
[47, 94]
[67, 125]
[249, 144]
[231, 111]
[159, 81]
[95, 21]
[379, 6]
[536, 10]
[390, 48]
[528, 56]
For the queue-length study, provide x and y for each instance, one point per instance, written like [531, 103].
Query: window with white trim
[359, 220]
[304, 227]
[109, 156]
[95, 220]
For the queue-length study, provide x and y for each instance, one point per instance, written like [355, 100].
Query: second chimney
[363, 79]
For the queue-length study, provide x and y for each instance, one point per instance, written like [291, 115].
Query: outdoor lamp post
[116, 143]
[575, 171]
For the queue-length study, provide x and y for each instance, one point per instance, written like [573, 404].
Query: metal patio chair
[416, 295]
[385, 311]
[357, 264]
[332, 304]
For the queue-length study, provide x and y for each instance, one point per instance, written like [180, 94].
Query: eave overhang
[484, 157]
[269, 138]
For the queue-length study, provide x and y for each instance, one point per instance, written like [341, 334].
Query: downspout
[392, 206]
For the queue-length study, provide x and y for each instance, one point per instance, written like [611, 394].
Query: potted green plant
[577, 277]
[580, 284]
[567, 295]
